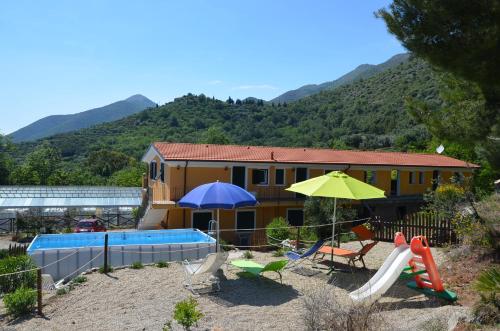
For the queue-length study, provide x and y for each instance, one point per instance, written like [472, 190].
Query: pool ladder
[213, 230]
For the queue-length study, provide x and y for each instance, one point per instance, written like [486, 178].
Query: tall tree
[5, 160]
[463, 38]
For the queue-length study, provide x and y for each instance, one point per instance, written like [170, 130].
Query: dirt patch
[462, 267]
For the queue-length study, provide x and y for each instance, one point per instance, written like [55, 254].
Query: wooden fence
[438, 230]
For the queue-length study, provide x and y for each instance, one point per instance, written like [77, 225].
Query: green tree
[105, 162]
[5, 160]
[463, 38]
[24, 175]
[319, 211]
[129, 177]
[215, 135]
[44, 160]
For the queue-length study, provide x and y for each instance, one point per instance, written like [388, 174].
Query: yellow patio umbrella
[336, 184]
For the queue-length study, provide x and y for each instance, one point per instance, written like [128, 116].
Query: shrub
[62, 291]
[20, 302]
[162, 264]
[324, 311]
[225, 245]
[68, 230]
[278, 229]
[14, 264]
[102, 271]
[486, 313]
[248, 255]
[319, 211]
[79, 280]
[4, 253]
[186, 313]
[471, 231]
[137, 265]
[280, 252]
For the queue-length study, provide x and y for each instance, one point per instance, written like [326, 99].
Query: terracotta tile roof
[235, 153]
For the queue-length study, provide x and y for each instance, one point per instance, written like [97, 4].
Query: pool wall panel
[68, 263]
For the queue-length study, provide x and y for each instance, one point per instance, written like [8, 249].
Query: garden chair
[350, 255]
[255, 269]
[207, 266]
[295, 258]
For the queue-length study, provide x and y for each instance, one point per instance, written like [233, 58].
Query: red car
[90, 225]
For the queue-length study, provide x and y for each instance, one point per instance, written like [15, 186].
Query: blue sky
[60, 57]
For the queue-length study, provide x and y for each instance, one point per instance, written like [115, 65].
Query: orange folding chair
[363, 233]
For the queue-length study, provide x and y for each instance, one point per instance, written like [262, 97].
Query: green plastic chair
[256, 269]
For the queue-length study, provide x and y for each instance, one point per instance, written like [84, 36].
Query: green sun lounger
[257, 270]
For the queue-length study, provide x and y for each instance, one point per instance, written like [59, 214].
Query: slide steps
[406, 262]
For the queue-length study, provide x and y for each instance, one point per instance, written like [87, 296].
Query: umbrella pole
[333, 224]
[217, 229]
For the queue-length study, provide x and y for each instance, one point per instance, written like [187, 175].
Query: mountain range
[55, 124]
[361, 72]
[367, 113]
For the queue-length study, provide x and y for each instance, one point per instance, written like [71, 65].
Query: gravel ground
[144, 299]
[5, 241]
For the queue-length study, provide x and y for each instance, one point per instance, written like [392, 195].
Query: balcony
[261, 193]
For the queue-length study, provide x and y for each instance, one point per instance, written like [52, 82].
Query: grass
[137, 265]
[248, 255]
[79, 280]
[162, 264]
[102, 271]
[62, 291]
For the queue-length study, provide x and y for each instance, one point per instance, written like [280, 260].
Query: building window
[412, 177]
[201, 220]
[260, 176]
[152, 170]
[245, 220]
[279, 178]
[295, 217]
[420, 177]
[162, 172]
[370, 177]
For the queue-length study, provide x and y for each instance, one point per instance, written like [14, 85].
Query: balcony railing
[260, 193]
[263, 193]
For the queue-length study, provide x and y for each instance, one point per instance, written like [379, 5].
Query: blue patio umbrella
[217, 195]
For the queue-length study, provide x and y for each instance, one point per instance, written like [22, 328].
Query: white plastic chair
[207, 266]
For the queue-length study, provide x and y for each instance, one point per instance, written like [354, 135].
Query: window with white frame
[260, 176]
[162, 172]
[421, 177]
[295, 217]
[370, 176]
[201, 220]
[152, 170]
[245, 220]
[412, 176]
[279, 177]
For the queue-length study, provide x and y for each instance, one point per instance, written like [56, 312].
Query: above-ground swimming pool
[67, 255]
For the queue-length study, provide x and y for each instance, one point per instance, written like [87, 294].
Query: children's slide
[386, 276]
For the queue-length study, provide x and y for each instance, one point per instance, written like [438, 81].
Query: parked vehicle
[90, 225]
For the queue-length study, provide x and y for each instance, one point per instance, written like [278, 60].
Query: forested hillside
[367, 114]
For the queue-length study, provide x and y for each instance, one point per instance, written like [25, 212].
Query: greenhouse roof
[69, 196]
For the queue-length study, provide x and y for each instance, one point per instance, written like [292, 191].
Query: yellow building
[176, 168]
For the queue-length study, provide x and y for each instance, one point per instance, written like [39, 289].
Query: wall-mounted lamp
[225, 168]
[178, 167]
